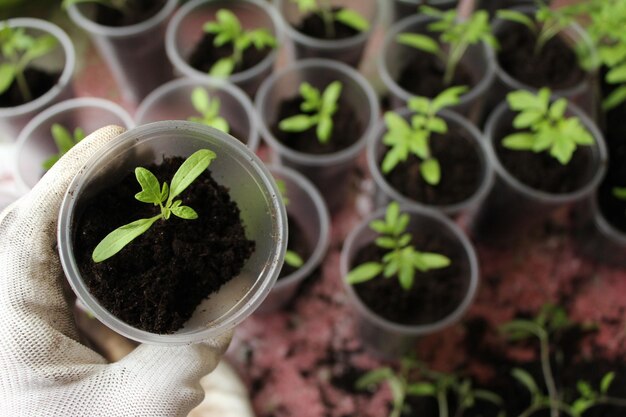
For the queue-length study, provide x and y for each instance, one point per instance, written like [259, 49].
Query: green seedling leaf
[209, 109]
[120, 237]
[526, 380]
[614, 99]
[517, 17]
[431, 172]
[421, 42]
[293, 259]
[150, 187]
[364, 273]
[298, 123]
[488, 396]
[374, 377]
[223, 68]
[352, 19]
[606, 382]
[520, 329]
[193, 166]
[449, 97]
[619, 193]
[422, 389]
[7, 75]
[184, 212]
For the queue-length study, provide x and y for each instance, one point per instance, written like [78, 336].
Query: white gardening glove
[44, 370]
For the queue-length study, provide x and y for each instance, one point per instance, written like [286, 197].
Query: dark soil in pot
[435, 294]
[613, 209]
[156, 282]
[423, 75]
[615, 122]
[39, 82]
[296, 243]
[460, 172]
[138, 11]
[556, 66]
[543, 172]
[206, 54]
[313, 25]
[347, 129]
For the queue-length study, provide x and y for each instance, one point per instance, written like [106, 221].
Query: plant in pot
[544, 47]
[235, 40]
[546, 153]
[187, 278]
[55, 130]
[332, 29]
[408, 272]
[209, 101]
[424, 54]
[316, 115]
[425, 155]
[129, 34]
[309, 235]
[37, 62]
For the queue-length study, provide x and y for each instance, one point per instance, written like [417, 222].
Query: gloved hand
[44, 370]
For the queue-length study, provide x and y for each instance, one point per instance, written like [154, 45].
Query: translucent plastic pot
[347, 50]
[584, 94]
[35, 143]
[307, 208]
[185, 31]
[512, 206]
[331, 173]
[172, 101]
[405, 8]
[478, 60]
[135, 54]
[385, 192]
[250, 185]
[62, 59]
[390, 339]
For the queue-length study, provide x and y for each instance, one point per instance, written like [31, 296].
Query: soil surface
[460, 171]
[556, 66]
[313, 25]
[39, 82]
[423, 75]
[434, 295]
[347, 129]
[156, 282]
[296, 243]
[206, 54]
[138, 11]
[543, 172]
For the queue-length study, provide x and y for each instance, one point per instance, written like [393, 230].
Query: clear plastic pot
[306, 207]
[478, 60]
[250, 185]
[185, 31]
[389, 339]
[135, 54]
[35, 143]
[385, 191]
[330, 172]
[404, 8]
[584, 94]
[512, 206]
[62, 59]
[172, 101]
[347, 50]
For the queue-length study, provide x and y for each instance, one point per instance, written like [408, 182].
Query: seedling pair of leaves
[320, 109]
[546, 127]
[455, 35]
[402, 259]
[64, 141]
[209, 109]
[228, 30]
[163, 196]
[291, 258]
[323, 8]
[18, 50]
[404, 139]
[119, 5]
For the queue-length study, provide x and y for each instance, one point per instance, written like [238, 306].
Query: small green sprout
[321, 108]
[456, 36]
[291, 258]
[227, 29]
[402, 259]
[159, 195]
[119, 5]
[209, 109]
[64, 141]
[548, 129]
[619, 193]
[404, 139]
[19, 49]
[323, 8]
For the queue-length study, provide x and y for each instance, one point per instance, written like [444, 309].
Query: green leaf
[62, 138]
[421, 42]
[515, 16]
[324, 129]
[519, 141]
[228, 20]
[488, 396]
[527, 119]
[200, 100]
[562, 149]
[120, 237]
[392, 213]
[185, 212]
[212, 27]
[397, 391]
[396, 123]
[581, 405]
[330, 96]
[385, 242]
[607, 379]
[293, 259]
[352, 19]
[298, 123]
[449, 97]
[364, 272]
[525, 379]
[393, 157]
[150, 188]
[437, 125]
[422, 389]
[262, 38]
[220, 124]
[557, 109]
[525, 100]
[617, 75]
[193, 166]
[379, 226]
[619, 193]
[223, 68]
[165, 191]
[614, 99]
[373, 378]
[431, 172]
[434, 260]
[41, 46]
[520, 329]
[7, 75]
[406, 274]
